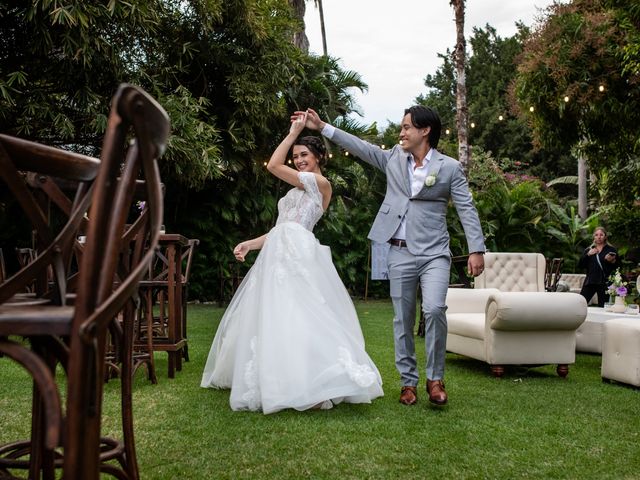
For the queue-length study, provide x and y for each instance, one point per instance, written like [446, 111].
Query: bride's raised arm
[276, 163]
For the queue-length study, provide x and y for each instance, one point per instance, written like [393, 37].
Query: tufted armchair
[509, 319]
[513, 272]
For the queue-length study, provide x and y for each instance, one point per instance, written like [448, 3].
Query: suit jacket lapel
[404, 172]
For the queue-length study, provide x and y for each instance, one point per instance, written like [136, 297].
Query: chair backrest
[19, 160]
[552, 273]
[512, 272]
[105, 285]
[187, 257]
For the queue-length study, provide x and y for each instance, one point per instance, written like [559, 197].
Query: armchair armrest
[468, 300]
[517, 311]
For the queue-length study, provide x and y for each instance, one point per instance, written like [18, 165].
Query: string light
[346, 154]
[566, 98]
[473, 125]
[601, 88]
[331, 155]
[447, 131]
[500, 117]
[531, 109]
[289, 162]
[382, 147]
[265, 164]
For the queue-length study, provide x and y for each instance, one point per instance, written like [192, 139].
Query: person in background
[600, 260]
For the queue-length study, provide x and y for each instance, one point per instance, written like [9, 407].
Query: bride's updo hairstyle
[315, 146]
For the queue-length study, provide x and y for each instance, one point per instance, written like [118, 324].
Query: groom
[420, 183]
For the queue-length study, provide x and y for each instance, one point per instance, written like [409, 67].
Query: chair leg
[82, 435]
[131, 466]
[563, 370]
[497, 370]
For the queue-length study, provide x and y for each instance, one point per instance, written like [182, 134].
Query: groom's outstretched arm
[372, 154]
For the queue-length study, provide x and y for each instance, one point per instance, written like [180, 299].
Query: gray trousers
[405, 271]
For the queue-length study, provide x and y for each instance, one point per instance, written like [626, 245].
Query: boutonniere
[430, 180]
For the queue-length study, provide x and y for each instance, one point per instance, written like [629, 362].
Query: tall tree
[462, 111]
[323, 32]
[577, 85]
[300, 39]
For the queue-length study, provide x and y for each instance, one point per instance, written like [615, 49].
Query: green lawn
[529, 424]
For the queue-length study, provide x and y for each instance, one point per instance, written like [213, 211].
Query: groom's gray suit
[426, 257]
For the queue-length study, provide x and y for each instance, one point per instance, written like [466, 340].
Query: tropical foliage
[229, 75]
[577, 84]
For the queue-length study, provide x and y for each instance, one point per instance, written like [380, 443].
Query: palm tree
[318, 4]
[462, 117]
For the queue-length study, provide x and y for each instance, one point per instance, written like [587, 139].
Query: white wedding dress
[290, 337]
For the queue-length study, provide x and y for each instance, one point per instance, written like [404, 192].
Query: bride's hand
[241, 251]
[298, 122]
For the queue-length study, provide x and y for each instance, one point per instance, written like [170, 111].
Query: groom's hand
[313, 121]
[475, 264]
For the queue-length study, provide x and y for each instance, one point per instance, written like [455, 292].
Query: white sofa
[509, 318]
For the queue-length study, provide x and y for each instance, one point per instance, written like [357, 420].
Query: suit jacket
[426, 212]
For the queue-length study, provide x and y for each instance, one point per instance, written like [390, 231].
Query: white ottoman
[621, 350]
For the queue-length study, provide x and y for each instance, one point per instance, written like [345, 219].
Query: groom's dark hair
[423, 117]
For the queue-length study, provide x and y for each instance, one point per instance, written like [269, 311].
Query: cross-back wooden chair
[552, 273]
[114, 259]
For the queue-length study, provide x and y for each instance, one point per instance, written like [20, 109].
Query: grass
[529, 424]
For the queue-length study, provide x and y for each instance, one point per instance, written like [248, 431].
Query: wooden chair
[112, 263]
[163, 311]
[552, 273]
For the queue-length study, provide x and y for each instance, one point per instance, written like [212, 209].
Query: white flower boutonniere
[430, 180]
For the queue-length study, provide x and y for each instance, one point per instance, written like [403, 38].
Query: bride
[290, 337]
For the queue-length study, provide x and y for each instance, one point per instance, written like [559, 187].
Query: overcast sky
[394, 45]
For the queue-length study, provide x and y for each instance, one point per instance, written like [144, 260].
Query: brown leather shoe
[436, 391]
[408, 395]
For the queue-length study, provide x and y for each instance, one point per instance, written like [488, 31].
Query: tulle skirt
[290, 337]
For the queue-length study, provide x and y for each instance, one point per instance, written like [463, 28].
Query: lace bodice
[302, 206]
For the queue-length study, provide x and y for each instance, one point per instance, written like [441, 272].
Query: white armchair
[509, 318]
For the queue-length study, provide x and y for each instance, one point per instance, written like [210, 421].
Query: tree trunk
[300, 39]
[324, 34]
[462, 111]
[582, 187]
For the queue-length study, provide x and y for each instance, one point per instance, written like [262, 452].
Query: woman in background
[600, 260]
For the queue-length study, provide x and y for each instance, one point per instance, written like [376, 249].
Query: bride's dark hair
[315, 146]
